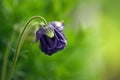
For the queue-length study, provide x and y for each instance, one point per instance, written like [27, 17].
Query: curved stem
[20, 43]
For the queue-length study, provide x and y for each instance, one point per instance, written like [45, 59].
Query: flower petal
[60, 36]
[39, 34]
[48, 43]
[60, 45]
[58, 25]
[51, 43]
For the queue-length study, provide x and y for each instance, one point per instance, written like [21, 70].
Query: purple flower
[51, 37]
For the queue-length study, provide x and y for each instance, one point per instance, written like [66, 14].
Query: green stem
[20, 43]
[6, 55]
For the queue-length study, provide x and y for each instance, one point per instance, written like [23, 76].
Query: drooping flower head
[51, 37]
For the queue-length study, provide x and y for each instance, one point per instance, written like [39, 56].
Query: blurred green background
[92, 29]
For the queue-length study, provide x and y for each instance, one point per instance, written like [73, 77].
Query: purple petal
[60, 36]
[39, 34]
[49, 43]
[59, 45]
[48, 52]
[58, 25]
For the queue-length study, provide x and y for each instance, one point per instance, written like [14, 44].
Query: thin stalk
[6, 55]
[15, 58]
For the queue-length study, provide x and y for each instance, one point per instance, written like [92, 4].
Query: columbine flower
[51, 37]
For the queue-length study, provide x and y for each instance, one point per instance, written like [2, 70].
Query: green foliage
[81, 59]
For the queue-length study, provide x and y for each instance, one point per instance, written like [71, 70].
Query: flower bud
[51, 38]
